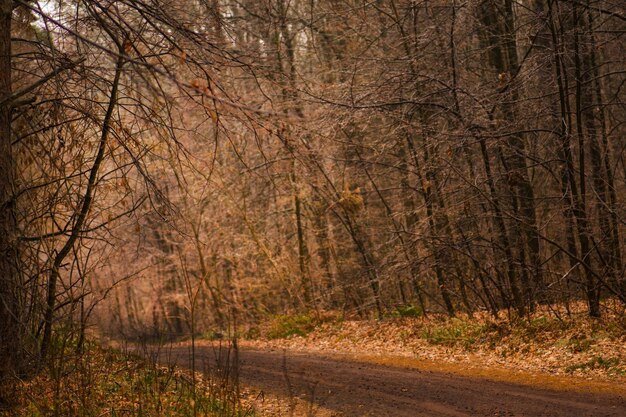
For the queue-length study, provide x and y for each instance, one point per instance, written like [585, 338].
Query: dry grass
[109, 382]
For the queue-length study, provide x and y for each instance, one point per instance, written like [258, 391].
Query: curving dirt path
[352, 388]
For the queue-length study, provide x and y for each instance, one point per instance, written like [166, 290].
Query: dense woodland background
[169, 167]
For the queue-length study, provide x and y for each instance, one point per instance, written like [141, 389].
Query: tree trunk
[433, 227]
[603, 177]
[320, 224]
[82, 214]
[499, 22]
[10, 346]
[568, 179]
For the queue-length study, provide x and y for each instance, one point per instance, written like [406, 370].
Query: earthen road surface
[353, 388]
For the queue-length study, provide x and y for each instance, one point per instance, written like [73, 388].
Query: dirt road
[353, 388]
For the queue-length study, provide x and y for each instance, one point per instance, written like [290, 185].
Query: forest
[171, 169]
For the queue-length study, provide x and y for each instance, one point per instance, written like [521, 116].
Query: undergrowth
[106, 382]
[549, 340]
[578, 335]
[283, 326]
[610, 365]
[407, 310]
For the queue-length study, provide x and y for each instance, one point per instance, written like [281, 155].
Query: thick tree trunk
[9, 313]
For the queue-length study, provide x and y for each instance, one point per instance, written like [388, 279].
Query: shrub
[407, 310]
[285, 325]
[454, 332]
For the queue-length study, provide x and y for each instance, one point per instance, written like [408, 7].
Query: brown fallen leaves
[546, 343]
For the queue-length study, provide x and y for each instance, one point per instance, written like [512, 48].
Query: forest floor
[547, 365]
[296, 383]
[114, 382]
[547, 344]
[323, 365]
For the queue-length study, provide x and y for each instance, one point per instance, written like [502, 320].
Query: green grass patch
[407, 310]
[212, 335]
[611, 365]
[456, 332]
[284, 325]
[579, 344]
[469, 334]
